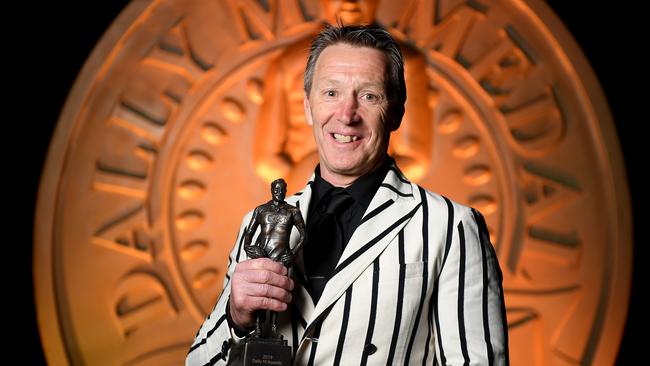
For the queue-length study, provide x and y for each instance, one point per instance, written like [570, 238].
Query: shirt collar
[362, 189]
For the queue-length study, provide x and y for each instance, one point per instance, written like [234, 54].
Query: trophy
[276, 218]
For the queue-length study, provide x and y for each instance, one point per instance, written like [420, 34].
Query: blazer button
[370, 348]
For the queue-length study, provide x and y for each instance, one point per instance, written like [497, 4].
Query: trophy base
[264, 351]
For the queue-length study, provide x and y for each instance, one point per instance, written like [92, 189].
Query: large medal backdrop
[186, 110]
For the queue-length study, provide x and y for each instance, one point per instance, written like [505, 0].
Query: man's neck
[343, 181]
[339, 180]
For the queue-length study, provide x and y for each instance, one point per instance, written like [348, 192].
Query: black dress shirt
[322, 251]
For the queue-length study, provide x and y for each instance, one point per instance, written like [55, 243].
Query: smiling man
[347, 106]
[390, 273]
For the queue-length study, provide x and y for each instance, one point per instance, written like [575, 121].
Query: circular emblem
[186, 111]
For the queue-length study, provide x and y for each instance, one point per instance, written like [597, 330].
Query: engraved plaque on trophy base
[264, 351]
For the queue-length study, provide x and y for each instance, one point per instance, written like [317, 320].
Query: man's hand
[258, 284]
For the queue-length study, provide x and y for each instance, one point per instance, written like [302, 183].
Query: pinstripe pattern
[376, 211]
[314, 345]
[400, 298]
[373, 309]
[448, 237]
[396, 190]
[461, 294]
[487, 252]
[424, 259]
[344, 326]
[484, 303]
[204, 340]
[436, 300]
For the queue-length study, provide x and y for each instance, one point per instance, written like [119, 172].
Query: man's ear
[307, 108]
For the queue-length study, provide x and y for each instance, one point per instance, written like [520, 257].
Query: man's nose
[349, 110]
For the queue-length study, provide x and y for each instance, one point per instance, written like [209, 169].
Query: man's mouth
[344, 138]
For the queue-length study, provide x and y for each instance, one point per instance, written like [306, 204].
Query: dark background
[50, 42]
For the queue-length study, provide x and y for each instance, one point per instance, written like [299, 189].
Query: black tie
[326, 242]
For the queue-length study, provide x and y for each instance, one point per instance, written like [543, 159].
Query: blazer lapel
[390, 209]
[302, 301]
[300, 200]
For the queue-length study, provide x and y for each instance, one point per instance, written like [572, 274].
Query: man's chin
[349, 170]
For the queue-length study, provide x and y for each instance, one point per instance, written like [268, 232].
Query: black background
[50, 42]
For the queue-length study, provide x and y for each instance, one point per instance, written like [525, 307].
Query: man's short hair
[372, 36]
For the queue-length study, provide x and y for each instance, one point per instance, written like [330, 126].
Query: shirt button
[370, 348]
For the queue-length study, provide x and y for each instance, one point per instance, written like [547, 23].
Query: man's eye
[330, 93]
[370, 97]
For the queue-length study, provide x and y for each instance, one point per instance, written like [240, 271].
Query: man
[399, 275]
[276, 218]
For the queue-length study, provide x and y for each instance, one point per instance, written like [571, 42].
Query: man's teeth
[344, 138]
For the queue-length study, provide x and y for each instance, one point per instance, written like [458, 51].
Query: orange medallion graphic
[186, 110]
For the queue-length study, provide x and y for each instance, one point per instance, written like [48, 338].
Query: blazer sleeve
[471, 307]
[212, 341]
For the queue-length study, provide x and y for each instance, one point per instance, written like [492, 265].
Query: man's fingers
[266, 290]
[262, 270]
[249, 304]
[265, 264]
[268, 303]
[268, 278]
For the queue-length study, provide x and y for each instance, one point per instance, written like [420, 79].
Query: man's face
[347, 108]
[278, 191]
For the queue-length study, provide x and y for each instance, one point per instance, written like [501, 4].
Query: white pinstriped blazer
[418, 283]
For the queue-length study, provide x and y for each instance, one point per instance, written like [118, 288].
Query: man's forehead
[345, 57]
